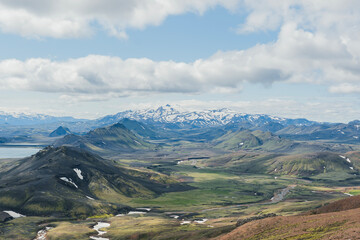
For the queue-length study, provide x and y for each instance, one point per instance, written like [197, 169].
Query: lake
[18, 152]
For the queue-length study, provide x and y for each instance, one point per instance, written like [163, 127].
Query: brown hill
[341, 205]
[337, 225]
[337, 220]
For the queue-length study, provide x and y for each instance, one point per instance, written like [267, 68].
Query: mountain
[340, 132]
[22, 119]
[323, 165]
[318, 166]
[73, 182]
[266, 141]
[139, 128]
[170, 118]
[170, 122]
[173, 118]
[107, 139]
[60, 131]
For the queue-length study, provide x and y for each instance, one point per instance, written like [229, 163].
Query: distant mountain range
[208, 118]
[151, 123]
[31, 119]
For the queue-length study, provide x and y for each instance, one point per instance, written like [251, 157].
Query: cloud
[345, 88]
[332, 15]
[297, 56]
[313, 46]
[73, 19]
[105, 77]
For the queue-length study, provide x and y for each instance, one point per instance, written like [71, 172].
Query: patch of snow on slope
[14, 214]
[185, 222]
[41, 235]
[136, 212]
[78, 172]
[69, 180]
[146, 209]
[99, 226]
[201, 221]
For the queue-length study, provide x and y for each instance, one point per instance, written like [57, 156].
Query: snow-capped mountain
[169, 115]
[31, 119]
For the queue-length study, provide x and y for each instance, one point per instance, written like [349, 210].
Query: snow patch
[69, 180]
[136, 212]
[348, 160]
[342, 156]
[146, 209]
[99, 226]
[201, 221]
[78, 172]
[185, 222]
[41, 235]
[351, 168]
[89, 198]
[174, 216]
[98, 238]
[14, 214]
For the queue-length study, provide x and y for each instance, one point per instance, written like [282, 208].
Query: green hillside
[73, 182]
[269, 142]
[316, 166]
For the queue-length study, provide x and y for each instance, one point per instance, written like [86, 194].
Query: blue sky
[185, 37]
[285, 58]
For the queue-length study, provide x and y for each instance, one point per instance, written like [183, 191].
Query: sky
[90, 58]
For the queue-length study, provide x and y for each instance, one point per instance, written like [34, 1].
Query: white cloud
[106, 77]
[345, 88]
[331, 15]
[317, 43]
[297, 56]
[73, 19]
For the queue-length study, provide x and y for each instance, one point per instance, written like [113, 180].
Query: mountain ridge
[115, 137]
[167, 115]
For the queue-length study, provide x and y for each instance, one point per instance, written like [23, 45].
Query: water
[17, 152]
